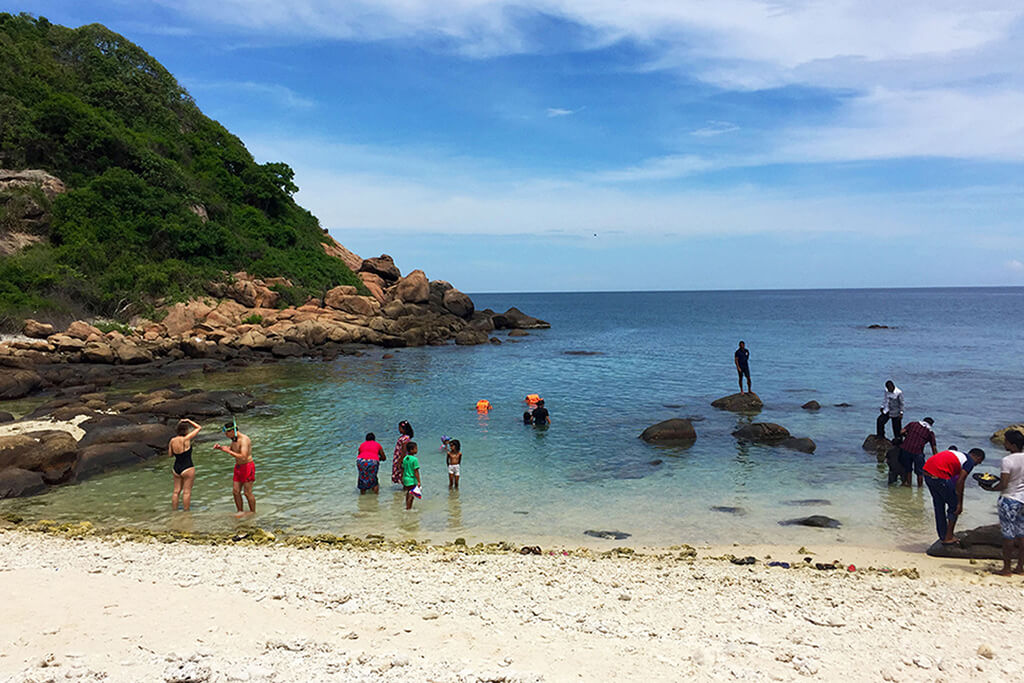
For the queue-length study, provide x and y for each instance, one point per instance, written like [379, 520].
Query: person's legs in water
[236, 491]
[177, 491]
[188, 478]
[408, 498]
[456, 482]
[247, 486]
[919, 470]
[451, 480]
[907, 463]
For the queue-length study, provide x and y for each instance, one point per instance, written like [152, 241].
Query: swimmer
[183, 471]
[245, 467]
[454, 464]
[540, 416]
[527, 417]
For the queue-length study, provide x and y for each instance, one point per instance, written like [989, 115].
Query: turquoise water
[955, 353]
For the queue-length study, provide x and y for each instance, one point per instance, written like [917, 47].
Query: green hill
[161, 199]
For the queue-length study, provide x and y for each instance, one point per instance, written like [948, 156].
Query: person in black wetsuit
[184, 471]
[742, 359]
[540, 415]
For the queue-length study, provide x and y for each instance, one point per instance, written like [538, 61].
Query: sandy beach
[107, 608]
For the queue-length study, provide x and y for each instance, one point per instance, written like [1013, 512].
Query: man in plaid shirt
[915, 436]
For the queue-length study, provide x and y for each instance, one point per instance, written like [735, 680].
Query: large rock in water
[762, 432]
[998, 436]
[458, 304]
[983, 542]
[18, 382]
[470, 337]
[674, 431]
[513, 318]
[811, 405]
[739, 403]
[802, 444]
[16, 482]
[878, 446]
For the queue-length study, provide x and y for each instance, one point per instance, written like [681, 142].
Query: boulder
[41, 451]
[802, 444]
[762, 432]
[374, 284]
[438, 288]
[354, 304]
[818, 521]
[513, 318]
[131, 354]
[98, 352]
[739, 403]
[332, 296]
[18, 383]
[5, 417]
[36, 329]
[983, 542]
[16, 482]
[254, 339]
[674, 431]
[153, 434]
[287, 350]
[101, 457]
[518, 333]
[811, 405]
[82, 330]
[458, 304]
[878, 446]
[470, 337]
[182, 317]
[998, 436]
[66, 344]
[414, 288]
[383, 266]
[482, 321]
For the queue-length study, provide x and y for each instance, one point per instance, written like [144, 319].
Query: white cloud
[280, 94]
[1015, 265]
[554, 112]
[714, 128]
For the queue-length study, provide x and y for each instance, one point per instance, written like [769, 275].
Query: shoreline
[101, 607]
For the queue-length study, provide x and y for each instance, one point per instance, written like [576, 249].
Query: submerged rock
[807, 501]
[762, 432]
[802, 444]
[607, 535]
[739, 403]
[811, 405]
[728, 509]
[674, 431]
[818, 521]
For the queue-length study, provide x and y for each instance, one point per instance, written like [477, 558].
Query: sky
[560, 145]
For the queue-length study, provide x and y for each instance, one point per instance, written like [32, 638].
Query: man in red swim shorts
[245, 467]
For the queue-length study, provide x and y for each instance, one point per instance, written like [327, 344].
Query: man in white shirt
[892, 409]
[1011, 503]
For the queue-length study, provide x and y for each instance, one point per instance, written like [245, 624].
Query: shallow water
[954, 353]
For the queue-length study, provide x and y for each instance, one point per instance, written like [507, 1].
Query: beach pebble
[986, 651]
[923, 662]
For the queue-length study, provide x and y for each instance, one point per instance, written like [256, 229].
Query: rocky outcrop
[414, 288]
[983, 542]
[513, 318]
[811, 405]
[739, 403]
[25, 200]
[333, 248]
[670, 432]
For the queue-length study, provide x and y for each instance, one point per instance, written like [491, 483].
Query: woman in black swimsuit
[180, 447]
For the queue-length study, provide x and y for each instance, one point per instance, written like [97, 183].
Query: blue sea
[651, 356]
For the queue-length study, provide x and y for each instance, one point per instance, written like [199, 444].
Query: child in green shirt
[411, 474]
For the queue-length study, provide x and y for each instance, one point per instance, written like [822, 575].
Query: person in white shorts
[1011, 503]
[454, 463]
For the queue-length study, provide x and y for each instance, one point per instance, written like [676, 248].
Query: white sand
[103, 609]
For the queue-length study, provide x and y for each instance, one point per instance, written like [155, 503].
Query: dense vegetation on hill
[142, 165]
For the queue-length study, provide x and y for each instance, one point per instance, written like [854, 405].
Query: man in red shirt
[915, 436]
[945, 474]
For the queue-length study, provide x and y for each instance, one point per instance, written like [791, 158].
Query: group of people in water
[945, 474]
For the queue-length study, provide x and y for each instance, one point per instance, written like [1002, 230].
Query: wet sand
[105, 608]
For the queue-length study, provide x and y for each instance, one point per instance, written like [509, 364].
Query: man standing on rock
[742, 360]
[892, 409]
[245, 467]
[915, 436]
